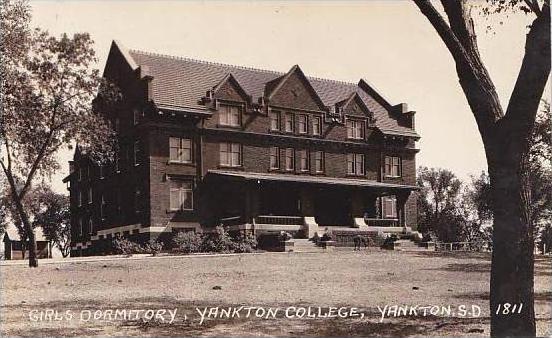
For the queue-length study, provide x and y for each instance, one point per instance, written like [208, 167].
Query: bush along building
[203, 144]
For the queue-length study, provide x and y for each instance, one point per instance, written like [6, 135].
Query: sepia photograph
[368, 168]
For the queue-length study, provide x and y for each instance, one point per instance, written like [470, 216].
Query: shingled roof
[180, 83]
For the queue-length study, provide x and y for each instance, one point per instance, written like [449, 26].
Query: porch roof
[354, 182]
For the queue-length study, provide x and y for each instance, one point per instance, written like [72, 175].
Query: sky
[388, 43]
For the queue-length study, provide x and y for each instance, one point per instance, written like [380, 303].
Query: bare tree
[506, 139]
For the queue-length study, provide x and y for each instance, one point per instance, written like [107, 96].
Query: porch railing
[279, 220]
[230, 221]
[381, 222]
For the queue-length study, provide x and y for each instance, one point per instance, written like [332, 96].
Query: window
[229, 115]
[289, 123]
[389, 206]
[101, 171]
[274, 157]
[392, 167]
[90, 225]
[316, 125]
[303, 160]
[136, 116]
[117, 124]
[355, 129]
[81, 226]
[303, 129]
[80, 198]
[89, 195]
[138, 200]
[355, 164]
[181, 195]
[180, 150]
[319, 161]
[274, 120]
[83, 172]
[230, 154]
[117, 162]
[136, 155]
[118, 201]
[290, 159]
[103, 207]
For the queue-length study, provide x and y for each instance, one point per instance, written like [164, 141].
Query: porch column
[252, 201]
[306, 199]
[401, 203]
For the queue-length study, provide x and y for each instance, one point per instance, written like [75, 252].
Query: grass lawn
[365, 280]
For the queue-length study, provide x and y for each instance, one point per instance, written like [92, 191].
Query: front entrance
[280, 200]
[333, 207]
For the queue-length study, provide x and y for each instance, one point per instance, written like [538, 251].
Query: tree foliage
[47, 87]
[54, 216]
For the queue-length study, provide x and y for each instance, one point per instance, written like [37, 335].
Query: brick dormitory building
[203, 144]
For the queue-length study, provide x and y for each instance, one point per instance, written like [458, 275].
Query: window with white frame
[355, 129]
[103, 207]
[274, 157]
[355, 164]
[138, 200]
[392, 166]
[389, 206]
[136, 155]
[230, 154]
[180, 150]
[181, 195]
[319, 161]
[303, 160]
[80, 197]
[136, 114]
[81, 226]
[229, 115]
[89, 195]
[302, 125]
[119, 200]
[316, 125]
[275, 120]
[90, 225]
[101, 170]
[288, 123]
[289, 159]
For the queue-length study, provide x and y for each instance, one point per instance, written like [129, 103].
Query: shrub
[245, 242]
[154, 247]
[218, 241]
[188, 242]
[126, 247]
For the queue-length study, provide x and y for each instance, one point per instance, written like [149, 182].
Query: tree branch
[474, 79]
[533, 6]
[533, 75]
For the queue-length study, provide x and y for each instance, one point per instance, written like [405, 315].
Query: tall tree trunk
[512, 271]
[33, 262]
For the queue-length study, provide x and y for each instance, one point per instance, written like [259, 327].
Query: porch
[305, 205]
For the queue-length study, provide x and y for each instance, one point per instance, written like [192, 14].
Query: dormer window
[288, 123]
[229, 116]
[303, 126]
[355, 129]
[274, 120]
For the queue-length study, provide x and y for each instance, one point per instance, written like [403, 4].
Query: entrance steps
[305, 245]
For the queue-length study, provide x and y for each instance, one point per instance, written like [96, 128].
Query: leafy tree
[438, 201]
[54, 217]
[506, 139]
[47, 87]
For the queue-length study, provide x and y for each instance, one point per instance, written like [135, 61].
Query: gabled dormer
[354, 106]
[293, 90]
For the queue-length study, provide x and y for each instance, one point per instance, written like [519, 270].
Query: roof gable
[230, 89]
[294, 90]
[354, 105]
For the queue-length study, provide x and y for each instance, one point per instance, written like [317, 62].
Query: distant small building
[15, 248]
